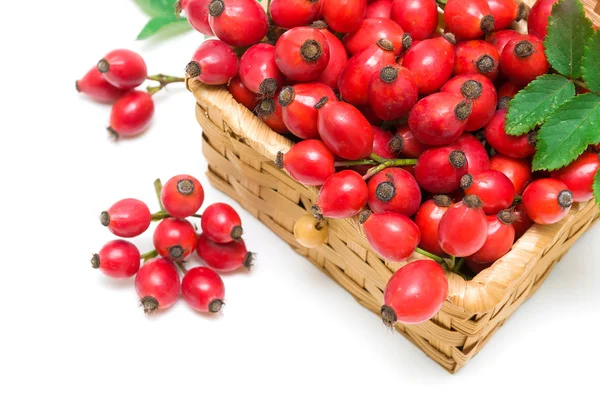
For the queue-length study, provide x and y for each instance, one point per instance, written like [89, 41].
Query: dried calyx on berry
[507, 216]
[388, 316]
[149, 303]
[441, 200]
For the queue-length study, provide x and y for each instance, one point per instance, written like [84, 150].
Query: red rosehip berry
[131, 114]
[259, 72]
[418, 18]
[432, 62]
[224, 257]
[428, 220]
[547, 201]
[476, 57]
[506, 92]
[242, 94]
[518, 170]
[271, 113]
[482, 94]
[127, 218]
[393, 236]
[221, 223]
[370, 31]
[505, 12]
[214, 63]
[500, 38]
[379, 9]
[182, 196]
[477, 158]
[500, 238]
[468, 19]
[406, 144]
[292, 13]
[392, 92]
[537, 21]
[463, 228]
[157, 285]
[174, 239]
[344, 15]
[523, 59]
[440, 169]
[309, 162]
[522, 222]
[117, 259]
[239, 23]
[342, 195]
[124, 69]
[298, 107]
[579, 176]
[381, 143]
[203, 290]
[196, 12]
[338, 57]
[512, 146]
[492, 187]
[302, 53]
[394, 189]
[95, 86]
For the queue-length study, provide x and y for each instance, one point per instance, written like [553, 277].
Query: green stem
[163, 81]
[147, 256]
[160, 215]
[182, 267]
[458, 265]
[386, 163]
[158, 190]
[430, 255]
[579, 83]
[357, 162]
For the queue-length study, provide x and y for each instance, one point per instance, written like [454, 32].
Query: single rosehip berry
[500, 238]
[393, 236]
[157, 285]
[506, 92]
[117, 259]
[439, 169]
[547, 201]
[468, 19]
[292, 13]
[476, 57]
[381, 143]
[95, 86]
[579, 176]
[393, 92]
[440, 118]
[522, 60]
[203, 290]
[182, 196]
[477, 157]
[196, 12]
[501, 38]
[522, 222]
[239, 23]
[131, 114]
[224, 257]
[505, 12]
[302, 53]
[418, 18]
[356, 75]
[370, 31]
[271, 113]
[482, 94]
[492, 187]
[463, 228]
[174, 239]
[512, 146]
[344, 15]
[342, 195]
[406, 144]
[394, 189]
[338, 57]
[537, 21]
[428, 219]
[379, 9]
[518, 170]
[127, 218]
[415, 293]
[221, 223]
[214, 63]
[344, 130]
[298, 107]
[310, 232]
[259, 72]
[124, 69]
[242, 94]
[432, 62]
[309, 162]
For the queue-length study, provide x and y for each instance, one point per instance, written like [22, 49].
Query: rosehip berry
[203, 290]
[500, 38]
[344, 130]
[477, 157]
[124, 69]
[127, 218]
[391, 235]
[292, 13]
[271, 113]
[506, 92]
[337, 56]
[394, 189]
[182, 196]
[392, 92]
[221, 223]
[131, 114]
[309, 162]
[379, 9]
[522, 60]
[579, 176]
[157, 284]
[298, 107]
[414, 294]
[242, 94]
[117, 259]
[518, 170]
[493, 188]
[463, 228]
[547, 201]
[512, 146]
[214, 63]
[344, 15]
[428, 219]
[482, 93]
[419, 18]
[440, 118]
[95, 86]
[537, 21]
[174, 239]
[342, 195]
[405, 143]
[370, 31]
[476, 57]
[196, 12]
[239, 23]
[259, 72]
[506, 12]
[356, 75]
[468, 19]
[381, 143]
[439, 170]
[302, 53]
[310, 232]
[224, 257]
[522, 222]
[432, 62]
[500, 238]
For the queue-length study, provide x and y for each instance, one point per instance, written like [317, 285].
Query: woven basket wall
[240, 150]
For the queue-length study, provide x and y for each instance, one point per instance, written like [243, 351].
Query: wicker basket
[240, 150]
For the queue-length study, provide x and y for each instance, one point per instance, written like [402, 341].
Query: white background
[287, 331]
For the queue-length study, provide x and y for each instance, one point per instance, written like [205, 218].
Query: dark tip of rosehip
[441, 200]
[113, 134]
[532, 138]
[321, 102]
[457, 158]
[149, 303]
[396, 144]
[279, 160]
[316, 212]
[463, 110]
[503, 103]
[406, 41]
[507, 216]
[449, 37]
[105, 218]
[236, 232]
[388, 74]
[185, 186]
[266, 107]
[523, 49]
[385, 191]
[176, 252]
[466, 181]
[319, 24]
[77, 87]
[249, 260]
[565, 199]
[487, 23]
[472, 201]
[193, 69]
[215, 305]
[364, 215]
[311, 50]
[286, 96]
[95, 261]
[471, 89]
[216, 7]
[103, 66]
[385, 44]
[268, 87]
[485, 64]
[388, 316]
[522, 12]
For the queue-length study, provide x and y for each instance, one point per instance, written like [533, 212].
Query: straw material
[240, 150]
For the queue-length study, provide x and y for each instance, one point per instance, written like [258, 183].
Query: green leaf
[157, 8]
[596, 187]
[568, 132]
[568, 31]
[158, 23]
[534, 104]
[591, 63]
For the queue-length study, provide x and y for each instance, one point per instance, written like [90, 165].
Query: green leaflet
[157, 8]
[158, 23]
[535, 103]
[591, 63]
[596, 187]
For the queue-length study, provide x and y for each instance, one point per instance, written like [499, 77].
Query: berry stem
[158, 189]
[364, 161]
[458, 265]
[430, 255]
[386, 163]
[163, 81]
[182, 267]
[518, 199]
[160, 215]
[147, 256]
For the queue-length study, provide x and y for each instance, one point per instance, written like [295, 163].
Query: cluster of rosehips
[175, 239]
[389, 112]
[114, 80]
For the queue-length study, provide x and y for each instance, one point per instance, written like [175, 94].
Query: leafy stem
[163, 81]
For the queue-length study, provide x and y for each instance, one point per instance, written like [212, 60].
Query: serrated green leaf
[596, 187]
[568, 132]
[568, 31]
[536, 102]
[158, 23]
[591, 63]
[157, 8]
